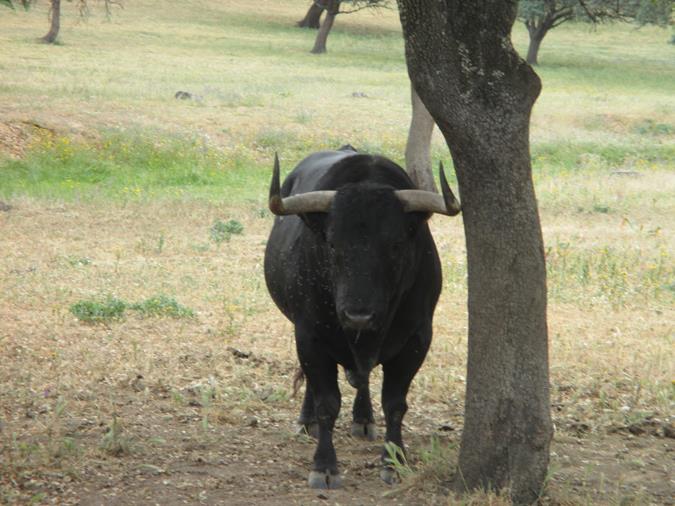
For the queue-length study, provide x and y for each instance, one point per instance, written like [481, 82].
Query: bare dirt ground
[199, 411]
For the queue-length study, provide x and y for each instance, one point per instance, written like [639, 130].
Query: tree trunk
[536, 36]
[53, 32]
[313, 17]
[480, 94]
[332, 9]
[418, 147]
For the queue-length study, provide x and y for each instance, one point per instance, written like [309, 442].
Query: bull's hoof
[367, 431]
[324, 480]
[389, 476]
[308, 429]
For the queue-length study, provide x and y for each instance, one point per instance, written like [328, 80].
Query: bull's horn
[310, 202]
[430, 202]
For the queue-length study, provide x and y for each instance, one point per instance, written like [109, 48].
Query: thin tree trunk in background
[418, 146]
[480, 94]
[53, 32]
[536, 36]
[313, 17]
[332, 9]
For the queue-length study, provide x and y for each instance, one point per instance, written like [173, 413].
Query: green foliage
[8, 3]
[641, 11]
[540, 16]
[223, 231]
[656, 12]
[162, 305]
[91, 311]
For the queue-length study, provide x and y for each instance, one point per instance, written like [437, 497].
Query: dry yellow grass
[62, 379]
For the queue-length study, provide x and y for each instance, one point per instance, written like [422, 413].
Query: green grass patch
[162, 305]
[222, 231]
[132, 167]
[590, 158]
[111, 309]
[92, 311]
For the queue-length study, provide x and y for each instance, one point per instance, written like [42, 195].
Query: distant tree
[313, 17]
[55, 23]
[541, 16]
[55, 13]
[332, 8]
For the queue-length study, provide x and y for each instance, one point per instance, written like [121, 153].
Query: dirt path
[139, 411]
[171, 459]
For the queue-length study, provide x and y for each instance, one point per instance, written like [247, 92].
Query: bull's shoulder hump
[309, 171]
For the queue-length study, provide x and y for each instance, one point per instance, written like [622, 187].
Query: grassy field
[141, 359]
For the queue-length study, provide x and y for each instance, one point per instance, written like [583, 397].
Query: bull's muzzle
[357, 321]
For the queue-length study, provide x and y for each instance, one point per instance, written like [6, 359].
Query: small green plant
[397, 460]
[92, 311]
[113, 441]
[162, 305]
[206, 396]
[223, 231]
[160, 243]
[78, 261]
[602, 209]
[177, 397]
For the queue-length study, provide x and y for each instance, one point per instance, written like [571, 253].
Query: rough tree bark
[332, 8]
[313, 17]
[418, 147]
[55, 25]
[480, 94]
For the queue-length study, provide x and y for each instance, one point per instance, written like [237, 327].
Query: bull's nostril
[358, 320]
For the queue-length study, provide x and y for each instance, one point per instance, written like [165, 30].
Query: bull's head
[368, 236]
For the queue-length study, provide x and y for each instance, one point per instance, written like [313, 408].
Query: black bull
[351, 262]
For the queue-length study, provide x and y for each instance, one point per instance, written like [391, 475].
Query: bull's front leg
[398, 374]
[321, 373]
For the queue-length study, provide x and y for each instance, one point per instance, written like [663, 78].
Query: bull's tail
[298, 380]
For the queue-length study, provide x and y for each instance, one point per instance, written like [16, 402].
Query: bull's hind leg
[398, 374]
[307, 423]
[363, 423]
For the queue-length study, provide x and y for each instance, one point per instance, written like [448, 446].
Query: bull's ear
[416, 220]
[316, 222]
